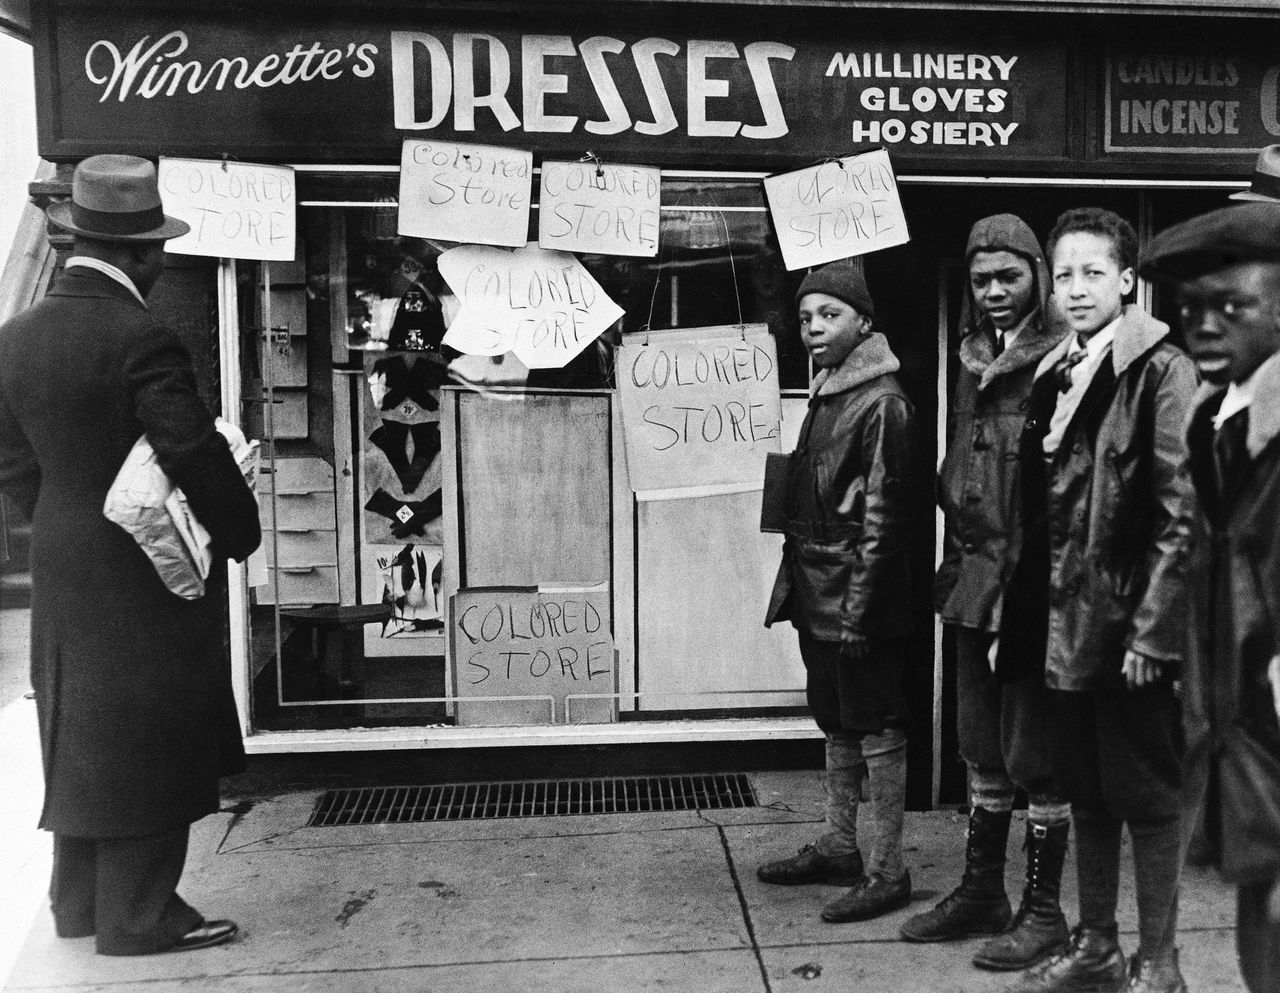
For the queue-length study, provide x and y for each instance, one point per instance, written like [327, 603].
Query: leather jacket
[1110, 512]
[978, 482]
[844, 561]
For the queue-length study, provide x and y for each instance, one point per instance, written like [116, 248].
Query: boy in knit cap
[1002, 716]
[1225, 267]
[843, 584]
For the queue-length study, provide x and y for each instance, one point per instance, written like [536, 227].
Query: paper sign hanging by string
[478, 194]
[541, 305]
[837, 209]
[236, 210]
[701, 407]
[599, 208]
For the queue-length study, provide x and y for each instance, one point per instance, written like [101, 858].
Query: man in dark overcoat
[133, 689]
[1225, 266]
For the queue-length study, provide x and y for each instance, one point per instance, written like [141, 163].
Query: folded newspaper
[144, 501]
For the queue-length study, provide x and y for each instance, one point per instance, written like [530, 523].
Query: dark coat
[1233, 739]
[1107, 521]
[844, 562]
[133, 687]
[978, 482]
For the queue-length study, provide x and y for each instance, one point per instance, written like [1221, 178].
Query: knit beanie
[839, 279]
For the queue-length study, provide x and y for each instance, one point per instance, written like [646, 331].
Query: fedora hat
[1266, 177]
[116, 198]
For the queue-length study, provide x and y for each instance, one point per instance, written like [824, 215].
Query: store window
[398, 471]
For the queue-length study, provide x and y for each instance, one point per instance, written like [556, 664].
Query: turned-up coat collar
[871, 357]
[1264, 411]
[1137, 333]
[1033, 342]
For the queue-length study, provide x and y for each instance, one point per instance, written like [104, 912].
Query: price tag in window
[404, 515]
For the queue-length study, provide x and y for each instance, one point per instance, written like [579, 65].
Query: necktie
[1229, 446]
[1062, 369]
[998, 350]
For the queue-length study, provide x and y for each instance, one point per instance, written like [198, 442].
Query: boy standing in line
[1002, 716]
[843, 584]
[1104, 455]
[1226, 265]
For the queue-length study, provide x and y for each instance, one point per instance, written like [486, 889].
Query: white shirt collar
[107, 269]
[1239, 396]
[1099, 341]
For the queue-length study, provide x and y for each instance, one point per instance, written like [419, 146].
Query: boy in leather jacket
[1225, 267]
[1107, 511]
[843, 584]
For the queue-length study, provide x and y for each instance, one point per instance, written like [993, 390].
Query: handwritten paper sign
[598, 208]
[836, 210]
[532, 642]
[541, 305]
[700, 408]
[471, 193]
[236, 210]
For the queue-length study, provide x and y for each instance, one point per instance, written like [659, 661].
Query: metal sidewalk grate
[540, 798]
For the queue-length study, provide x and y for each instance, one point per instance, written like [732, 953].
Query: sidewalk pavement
[597, 904]
[623, 902]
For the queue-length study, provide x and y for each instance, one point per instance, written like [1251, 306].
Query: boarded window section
[542, 798]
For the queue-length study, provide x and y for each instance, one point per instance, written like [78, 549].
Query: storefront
[393, 479]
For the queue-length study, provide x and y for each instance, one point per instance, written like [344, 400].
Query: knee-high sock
[886, 758]
[1157, 867]
[843, 784]
[1097, 865]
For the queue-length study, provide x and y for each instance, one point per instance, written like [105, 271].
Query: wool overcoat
[133, 688]
[1233, 735]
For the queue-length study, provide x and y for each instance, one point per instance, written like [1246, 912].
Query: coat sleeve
[881, 545]
[1158, 627]
[161, 383]
[19, 470]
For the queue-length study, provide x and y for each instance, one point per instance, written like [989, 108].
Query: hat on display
[116, 198]
[1266, 177]
[1246, 233]
[843, 280]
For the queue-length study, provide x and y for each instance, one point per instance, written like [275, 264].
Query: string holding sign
[836, 209]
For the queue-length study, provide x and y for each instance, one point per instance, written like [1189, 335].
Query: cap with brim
[116, 198]
[1265, 184]
[1246, 233]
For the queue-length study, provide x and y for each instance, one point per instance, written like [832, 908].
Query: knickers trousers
[123, 890]
[1003, 727]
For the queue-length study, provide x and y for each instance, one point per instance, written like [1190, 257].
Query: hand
[1140, 671]
[854, 645]
[993, 653]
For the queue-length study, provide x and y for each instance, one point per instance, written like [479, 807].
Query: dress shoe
[1157, 974]
[206, 935]
[869, 897]
[810, 866]
[1091, 962]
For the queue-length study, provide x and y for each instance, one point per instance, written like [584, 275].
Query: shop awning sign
[237, 210]
[477, 194]
[600, 208]
[701, 407]
[544, 306]
[836, 209]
